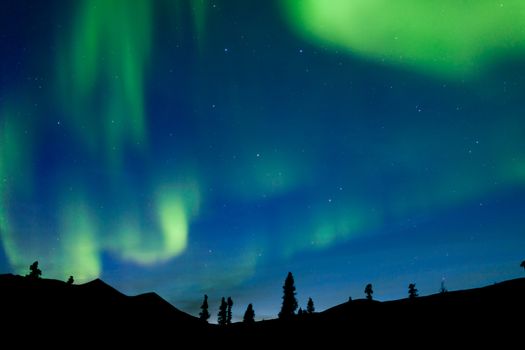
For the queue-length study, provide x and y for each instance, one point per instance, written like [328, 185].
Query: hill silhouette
[51, 311]
[93, 311]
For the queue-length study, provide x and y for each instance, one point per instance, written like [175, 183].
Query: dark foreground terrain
[50, 312]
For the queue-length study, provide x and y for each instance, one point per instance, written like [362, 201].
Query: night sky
[191, 147]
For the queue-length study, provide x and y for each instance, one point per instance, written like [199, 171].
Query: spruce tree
[249, 315]
[229, 311]
[310, 306]
[412, 291]
[289, 301]
[369, 291]
[221, 316]
[204, 314]
[443, 289]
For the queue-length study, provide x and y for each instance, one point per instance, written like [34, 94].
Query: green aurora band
[102, 74]
[449, 38]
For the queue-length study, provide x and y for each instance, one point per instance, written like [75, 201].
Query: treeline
[288, 308]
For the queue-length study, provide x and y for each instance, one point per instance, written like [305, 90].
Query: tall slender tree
[523, 264]
[369, 291]
[249, 315]
[229, 311]
[204, 314]
[442, 289]
[310, 309]
[289, 301]
[221, 316]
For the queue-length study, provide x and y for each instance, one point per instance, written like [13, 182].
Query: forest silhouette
[53, 310]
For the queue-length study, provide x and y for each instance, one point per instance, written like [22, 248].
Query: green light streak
[174, 223]
[174, 209]
[329, 233]
[449, 38]
[199, 20]
[101, 73]
[330, 224]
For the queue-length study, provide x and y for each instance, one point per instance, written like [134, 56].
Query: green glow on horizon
[15, 175]
[449, 38]
[102, 73]
[79, 246]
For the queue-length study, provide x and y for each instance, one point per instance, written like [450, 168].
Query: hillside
[51, 310]
[92, 311]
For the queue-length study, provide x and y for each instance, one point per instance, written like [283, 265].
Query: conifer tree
[249, 315]
[369, 291]
[221, 316]
[310, 306]
[289, 301]
[229, 311]
[412, 291]
[204, 314]
[442, 289]
[34, 271]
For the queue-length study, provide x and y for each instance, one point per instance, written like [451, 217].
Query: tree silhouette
[369, 291]
[204, 314]
[249, 315]
[221, 316]
[34, 271]
[70, 280]
[289, 301]
[412, 291]
[229, 311]
[443, 289]
[300, 312]
[523, 264]
[310, 306]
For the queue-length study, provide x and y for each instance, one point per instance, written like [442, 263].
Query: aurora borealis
[191, 147]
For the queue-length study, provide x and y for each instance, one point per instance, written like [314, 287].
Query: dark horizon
[32, 296]
[34, 277]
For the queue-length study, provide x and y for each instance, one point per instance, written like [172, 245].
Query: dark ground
[50, 312]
